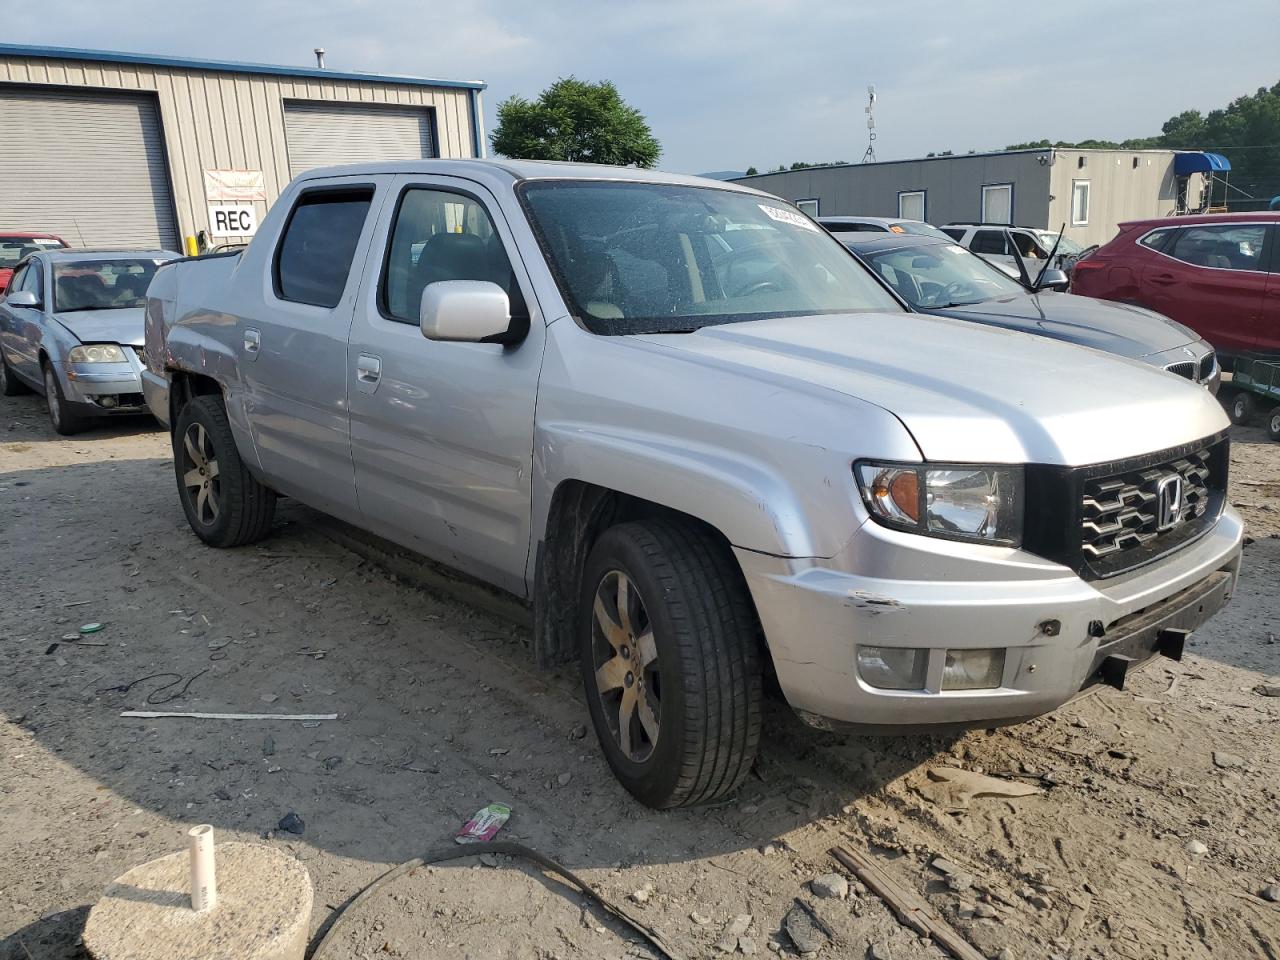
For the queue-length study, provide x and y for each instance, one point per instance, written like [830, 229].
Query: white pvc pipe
[204, 882]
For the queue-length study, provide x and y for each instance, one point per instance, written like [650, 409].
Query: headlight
[957, 502]
[96, 353]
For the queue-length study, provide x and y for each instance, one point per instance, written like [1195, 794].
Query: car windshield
[918, 228]
[13, 249]
[101, 284]
[1067, 246]
[664, 258]
[941, 275]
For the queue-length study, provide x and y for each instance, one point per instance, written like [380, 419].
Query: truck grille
[1124, 511]
[1107, 518]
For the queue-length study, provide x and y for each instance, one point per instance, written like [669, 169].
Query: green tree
[578, 121]
[751, 172]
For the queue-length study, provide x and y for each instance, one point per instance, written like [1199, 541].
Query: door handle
[1164, 278]
[368, 369]
[252, 340]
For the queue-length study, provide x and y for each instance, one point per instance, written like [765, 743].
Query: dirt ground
[440, 712]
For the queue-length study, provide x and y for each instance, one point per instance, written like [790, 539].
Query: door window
[437, 236]
[1028, 247]
[1224, 246]
[1158, 239]
[33, 282]
[997, 203]
[19, 278]
[319, 245]
[989, 242]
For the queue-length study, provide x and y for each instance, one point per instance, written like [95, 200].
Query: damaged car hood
[105, 326]
[965, 392]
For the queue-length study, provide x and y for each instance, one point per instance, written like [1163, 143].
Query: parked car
[1218, 274]
[704, 441]
[17, 246]
[943, 278]
[843, 225]
[71, 327]
[1001, 243]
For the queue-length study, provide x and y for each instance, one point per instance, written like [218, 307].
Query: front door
[1212, 279]
[293, 352]
[1269, 329]
[23, 326]
[442, 433]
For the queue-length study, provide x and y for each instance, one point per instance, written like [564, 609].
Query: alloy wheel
[200, 477]
[625, 659]
[51, 398]
[1275, 423]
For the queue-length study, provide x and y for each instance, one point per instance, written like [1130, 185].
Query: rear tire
[62, 416]
[10, 385]
[1241, 409]
[685, 655]
[225, 505]
[1273, 424]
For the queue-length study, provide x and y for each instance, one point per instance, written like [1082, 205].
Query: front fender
[746, 500]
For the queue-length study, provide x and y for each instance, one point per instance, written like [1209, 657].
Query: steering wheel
[760, 286]
[953, 290]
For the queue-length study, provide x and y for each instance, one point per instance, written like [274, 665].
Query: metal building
[122, 149]
[1090, 191]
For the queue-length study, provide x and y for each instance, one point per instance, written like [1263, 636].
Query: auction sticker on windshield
[788, 216]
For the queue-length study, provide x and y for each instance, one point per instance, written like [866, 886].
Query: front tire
[669, 650]
[62, 416]
[1273, 424]
[225, 505]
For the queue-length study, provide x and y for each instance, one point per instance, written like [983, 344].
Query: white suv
[992, 241]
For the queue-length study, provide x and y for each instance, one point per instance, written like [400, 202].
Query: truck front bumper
[1054, 630]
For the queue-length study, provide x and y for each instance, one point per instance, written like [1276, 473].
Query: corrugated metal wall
[222, 120]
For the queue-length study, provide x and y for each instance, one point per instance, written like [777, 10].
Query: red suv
[1218, 274]
[15, 246]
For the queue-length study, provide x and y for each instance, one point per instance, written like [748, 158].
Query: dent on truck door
[442, 433]
[293, 349]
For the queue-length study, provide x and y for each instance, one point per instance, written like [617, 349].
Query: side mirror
[468, 311]
[1055, 280]
[22, 298]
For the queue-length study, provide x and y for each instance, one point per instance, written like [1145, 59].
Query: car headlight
[956, 502]
[96, 353]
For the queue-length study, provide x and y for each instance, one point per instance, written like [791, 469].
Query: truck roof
[517, 170]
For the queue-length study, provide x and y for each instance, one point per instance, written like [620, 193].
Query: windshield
[13, 249]
[941, 275]
[1067, 246]
[101, 284]
[918, 228]
[664, 258]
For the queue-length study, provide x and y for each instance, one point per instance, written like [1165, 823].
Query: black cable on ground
[152, 697]
[461, 851]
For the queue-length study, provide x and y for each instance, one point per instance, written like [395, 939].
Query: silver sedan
[71, 327]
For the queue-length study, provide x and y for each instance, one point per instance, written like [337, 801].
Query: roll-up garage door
[89, 167]
[324, 134]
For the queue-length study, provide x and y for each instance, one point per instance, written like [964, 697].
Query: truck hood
[968, 393]
[1114, 327]
[105, 326]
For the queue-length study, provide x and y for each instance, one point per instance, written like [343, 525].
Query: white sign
[234, 186]
[232, 219]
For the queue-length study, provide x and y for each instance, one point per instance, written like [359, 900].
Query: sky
[728, 84]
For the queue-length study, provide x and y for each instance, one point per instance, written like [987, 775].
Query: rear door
[24, 325]
[442, 433]
[1212, 277]
[1269, 329]
[293, 352]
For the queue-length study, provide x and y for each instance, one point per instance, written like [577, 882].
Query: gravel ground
[440, 712]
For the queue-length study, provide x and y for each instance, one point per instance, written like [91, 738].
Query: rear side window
[319, 244]
[956, 234]
[1225, 246]
[988, 241]
[1158, 239]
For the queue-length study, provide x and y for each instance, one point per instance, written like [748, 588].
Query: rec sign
[232, 219]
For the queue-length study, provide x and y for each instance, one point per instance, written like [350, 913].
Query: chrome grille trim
[1183, 368]
[1120, 512]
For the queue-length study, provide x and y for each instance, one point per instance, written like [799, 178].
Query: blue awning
[1188, 163]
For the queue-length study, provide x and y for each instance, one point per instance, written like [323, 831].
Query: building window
[911, 205]
[1079, 203]
[997, 203]
[809, 206]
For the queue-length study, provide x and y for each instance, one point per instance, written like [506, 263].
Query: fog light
[973, 669]
[893, 668]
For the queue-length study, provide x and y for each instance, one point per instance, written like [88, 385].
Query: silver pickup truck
[691, 428]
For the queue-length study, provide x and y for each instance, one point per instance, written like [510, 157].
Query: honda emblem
[1169, 502]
